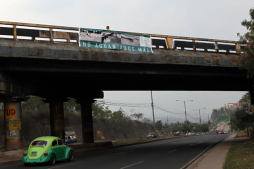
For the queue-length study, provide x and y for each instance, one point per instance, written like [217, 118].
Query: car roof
[47, 138]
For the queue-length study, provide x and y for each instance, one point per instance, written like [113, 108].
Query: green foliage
[35, 103]
[147, 120]
[71, 106]
[204, 127]
[186, 127]
[241, 120]
[247, 57]
[175, 128]
[158, 125]
[246, 102]
[137, 115]
[120, 114]
[197, 128]
[101, 111]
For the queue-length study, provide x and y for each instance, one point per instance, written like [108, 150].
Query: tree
[197, 128]
[70, 106]
[35, 103]
[101, 111]
[147, 120]
[175, 128]
[158, 125]
[204, 127]
[118, 114]
[247, 57]
[186, 127]
[137, 115]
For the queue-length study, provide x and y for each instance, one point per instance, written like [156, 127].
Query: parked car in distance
[47, 149]
[222, 132]
[70, 139]
[177, 133]
[150, 135]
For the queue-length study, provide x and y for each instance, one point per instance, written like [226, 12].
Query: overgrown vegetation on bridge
[247, 57]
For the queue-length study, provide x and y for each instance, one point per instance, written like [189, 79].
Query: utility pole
[185, 111]
[153, 114]
[199, 117]
[185, 114]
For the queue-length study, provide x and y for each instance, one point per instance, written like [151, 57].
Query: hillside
[35, 124]
[217, 124]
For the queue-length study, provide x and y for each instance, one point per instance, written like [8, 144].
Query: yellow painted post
[169, 43]
[238, 48]
[193, 47]
[216, 47]
[51, 34]
[14, 32]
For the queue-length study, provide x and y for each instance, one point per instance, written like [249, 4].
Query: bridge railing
[50, 32]
[63, 34]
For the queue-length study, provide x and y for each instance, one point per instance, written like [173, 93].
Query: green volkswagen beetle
[47, 149]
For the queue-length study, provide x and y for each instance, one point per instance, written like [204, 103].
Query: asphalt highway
[170, 154]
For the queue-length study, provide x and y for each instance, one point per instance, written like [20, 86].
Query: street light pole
[153, 114]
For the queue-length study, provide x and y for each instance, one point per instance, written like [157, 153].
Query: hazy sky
[217, 19]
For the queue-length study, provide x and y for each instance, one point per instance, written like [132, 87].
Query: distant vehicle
[191, 133]
[150, 135]
[222, 132]
[225, 132]
[177, 133]
[70, 139]
[47, 149]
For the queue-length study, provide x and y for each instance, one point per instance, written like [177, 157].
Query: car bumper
[42, 159]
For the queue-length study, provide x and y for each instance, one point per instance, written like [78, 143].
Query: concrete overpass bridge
[46, 61]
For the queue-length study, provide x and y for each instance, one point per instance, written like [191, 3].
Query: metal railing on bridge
[63, 34]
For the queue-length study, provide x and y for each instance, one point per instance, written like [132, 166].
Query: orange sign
[10, 112]
[58, 111]
[15, 124]
[100, 134]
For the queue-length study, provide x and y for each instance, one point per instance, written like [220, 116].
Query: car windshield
[39, 143]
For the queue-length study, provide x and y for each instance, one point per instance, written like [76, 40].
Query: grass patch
[241, 134]
[240, 156]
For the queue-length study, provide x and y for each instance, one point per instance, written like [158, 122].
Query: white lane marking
[65, 165]
[132, 164]
[126, 152]
[172, 151]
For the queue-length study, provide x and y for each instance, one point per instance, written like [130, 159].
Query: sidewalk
[215, 157]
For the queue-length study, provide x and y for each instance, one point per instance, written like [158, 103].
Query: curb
[203, 152]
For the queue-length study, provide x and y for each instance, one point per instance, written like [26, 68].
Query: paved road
[172, 153]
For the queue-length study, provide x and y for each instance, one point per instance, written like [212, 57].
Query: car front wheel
[52, 160]
[70, 156]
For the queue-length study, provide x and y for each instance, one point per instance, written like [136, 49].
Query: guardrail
[71, 35]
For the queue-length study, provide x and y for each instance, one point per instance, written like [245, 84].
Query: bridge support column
[12, 125]
[57, 126]
[87, 120]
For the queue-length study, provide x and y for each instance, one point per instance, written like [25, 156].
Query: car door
[56, 149]
[61, 148]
